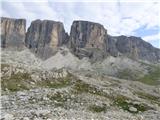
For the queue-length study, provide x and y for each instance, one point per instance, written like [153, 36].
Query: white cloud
[150, 38]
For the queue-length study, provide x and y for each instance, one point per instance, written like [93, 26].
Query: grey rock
[111, 46]
[43, 37]
[13, 33]
[87, 39]
[133, 109]
[8, 117]
[25, 118]
[136, 48]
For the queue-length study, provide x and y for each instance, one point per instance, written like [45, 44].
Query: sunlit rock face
[12, 33]
[43, 37]
[88, 39]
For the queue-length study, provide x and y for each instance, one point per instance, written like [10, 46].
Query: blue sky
[120, 17]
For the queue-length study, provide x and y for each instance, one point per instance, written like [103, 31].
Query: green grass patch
[128, 74]
[16, 82]
[3, 66]
[56, 83]
[152, 78]
[82, 87]
[58, 99]
[122, 102]
[152, 98]
[96, 108]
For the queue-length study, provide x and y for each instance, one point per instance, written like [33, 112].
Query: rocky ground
[30, 91]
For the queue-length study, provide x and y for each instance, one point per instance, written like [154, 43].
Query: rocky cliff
[88, 39]
[43, 37]
[136, 48]
[12, 33]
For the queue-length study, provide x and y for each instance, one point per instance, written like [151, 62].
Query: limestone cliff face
[136, 48]
[43, 37]
[87, 39]
[12, 33]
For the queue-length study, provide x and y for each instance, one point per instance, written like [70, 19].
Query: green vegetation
[21, 81]
[153, 99]
[3, 66]
[128, 74]
[56, 83]
[82, 87]
[16, 82]
[58, 98]
[121, 101]
[96, 108]
[152, 78]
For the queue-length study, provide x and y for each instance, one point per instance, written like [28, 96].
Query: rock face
[111, 47]
[12, 33]
[88, 39]
[136, 48]
[43, 37]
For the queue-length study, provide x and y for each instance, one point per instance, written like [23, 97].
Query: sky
[139, 18]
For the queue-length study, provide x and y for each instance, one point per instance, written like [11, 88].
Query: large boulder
[44, 37]
[88, 39]
[12, 33]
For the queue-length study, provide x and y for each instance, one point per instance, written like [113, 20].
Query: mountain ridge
[86, 39]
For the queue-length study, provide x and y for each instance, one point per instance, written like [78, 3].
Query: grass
[96, 108]
[3, 66]
[152, 98]
[128, 74]
[121, 101]
[16, 82]
[58, 98]
[152, 78]
[82, 87]
[21, 81]
[56, 83]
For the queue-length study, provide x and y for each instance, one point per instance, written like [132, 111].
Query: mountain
[86, 39]
[12, 33]
[43, 37]
[88, 74]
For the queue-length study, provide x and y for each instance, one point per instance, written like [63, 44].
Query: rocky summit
[12, 33]
[48, 74]
[43, 37]
[86, 39]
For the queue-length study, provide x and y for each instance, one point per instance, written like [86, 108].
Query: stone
[8, 117]
[132, 109]
[13, 33]
[43, 37]
[26, 118]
